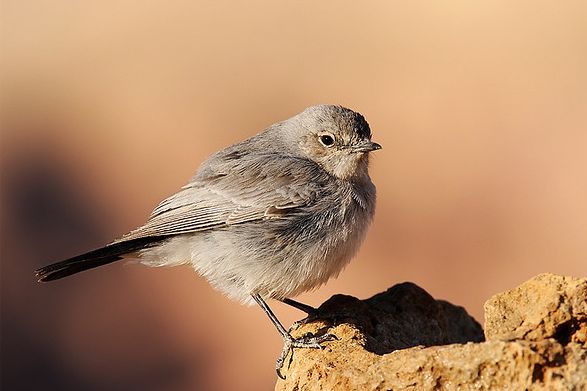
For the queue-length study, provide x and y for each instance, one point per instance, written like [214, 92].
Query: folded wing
[234, 191]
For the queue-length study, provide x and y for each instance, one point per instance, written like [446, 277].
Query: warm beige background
[109, 106]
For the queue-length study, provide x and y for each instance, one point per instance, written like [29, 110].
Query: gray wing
[233, 189]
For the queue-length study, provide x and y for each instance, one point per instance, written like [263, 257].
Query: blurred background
[109, 107]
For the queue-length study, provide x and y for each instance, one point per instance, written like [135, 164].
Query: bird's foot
[307, 341]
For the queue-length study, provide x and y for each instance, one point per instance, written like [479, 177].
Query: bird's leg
[289, 342]
[308, 309]
[311, 311]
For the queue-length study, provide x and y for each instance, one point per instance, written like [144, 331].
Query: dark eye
[327, 140]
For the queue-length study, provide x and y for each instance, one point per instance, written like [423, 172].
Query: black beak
[366, 146]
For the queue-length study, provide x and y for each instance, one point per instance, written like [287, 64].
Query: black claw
[279, 375]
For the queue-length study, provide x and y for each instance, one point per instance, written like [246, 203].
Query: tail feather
[102, 256]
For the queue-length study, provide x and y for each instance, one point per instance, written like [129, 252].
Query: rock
[404, 339]
[547, 306]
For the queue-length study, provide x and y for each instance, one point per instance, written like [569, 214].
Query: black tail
[102, 256]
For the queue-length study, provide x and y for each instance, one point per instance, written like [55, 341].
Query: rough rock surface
[404, 339]
[547, 306]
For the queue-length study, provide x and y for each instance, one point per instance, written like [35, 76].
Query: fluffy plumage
[275, 215]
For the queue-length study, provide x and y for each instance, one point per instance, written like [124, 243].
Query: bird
[270, 217]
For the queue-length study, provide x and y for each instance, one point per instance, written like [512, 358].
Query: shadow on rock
[404, 316]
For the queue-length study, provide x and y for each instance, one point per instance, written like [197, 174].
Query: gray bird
[270, 217]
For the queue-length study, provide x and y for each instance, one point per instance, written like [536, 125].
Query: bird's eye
[327, 140]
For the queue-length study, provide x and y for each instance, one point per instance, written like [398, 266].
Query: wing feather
[243, 190]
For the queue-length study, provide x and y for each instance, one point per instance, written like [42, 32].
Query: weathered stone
[404, 339]
[547, 306]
